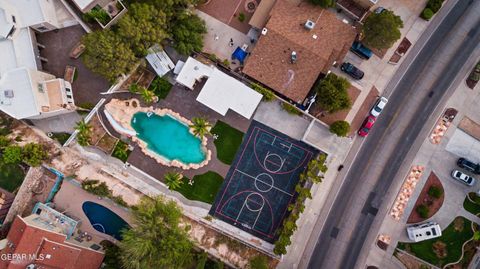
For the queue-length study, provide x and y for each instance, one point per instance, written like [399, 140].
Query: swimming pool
[104, 220]
[168, 137]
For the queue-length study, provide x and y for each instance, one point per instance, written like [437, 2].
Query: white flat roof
[30, 11]
[159, 60]
[221, 92]
[82, 4]
[22, 103]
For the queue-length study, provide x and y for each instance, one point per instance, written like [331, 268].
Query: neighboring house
[113, 8]
[44, 240]
[297, 44]
[356, 9]
[26, 91]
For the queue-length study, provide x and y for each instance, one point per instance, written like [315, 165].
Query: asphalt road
[409, 108]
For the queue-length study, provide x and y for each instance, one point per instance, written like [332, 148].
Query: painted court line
[241, 172]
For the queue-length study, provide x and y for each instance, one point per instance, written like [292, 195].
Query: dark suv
[352, 70]
[469, 166]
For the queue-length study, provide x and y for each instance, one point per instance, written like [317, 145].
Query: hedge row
[433, 6]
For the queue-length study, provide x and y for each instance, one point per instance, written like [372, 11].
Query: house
[26, 92]
[220, 92]
[297, 44]
[44, 240]
[114, 9]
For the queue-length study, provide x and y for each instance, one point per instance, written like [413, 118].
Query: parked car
[362, 51]
[379, 10]
[379, 106]
[462, 177]
[366, 126]
[469, 165]
[352, 70]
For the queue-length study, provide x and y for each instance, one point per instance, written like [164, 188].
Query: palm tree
[173, 180]
[147, 96]
[200, 127]
[84, 132]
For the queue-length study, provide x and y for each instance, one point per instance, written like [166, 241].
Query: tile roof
[30, 241]
[316, 49]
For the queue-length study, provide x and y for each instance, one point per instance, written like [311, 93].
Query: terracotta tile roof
[316, 49]
[30, 240]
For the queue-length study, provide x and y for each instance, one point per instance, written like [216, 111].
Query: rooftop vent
[293, 57]
[264, 31]
[8, 93]
[309, 25]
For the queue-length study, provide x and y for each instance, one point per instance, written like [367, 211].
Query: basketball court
[261, 181]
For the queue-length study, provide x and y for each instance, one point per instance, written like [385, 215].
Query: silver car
[379, 106]
[464, 178]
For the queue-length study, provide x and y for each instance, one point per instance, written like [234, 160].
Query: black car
[352, 70]
[469, 166]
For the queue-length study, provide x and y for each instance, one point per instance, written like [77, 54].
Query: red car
[367, 125]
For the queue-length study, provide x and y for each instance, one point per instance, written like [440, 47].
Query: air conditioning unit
[264, 31]
[8, 93]
[309, 25]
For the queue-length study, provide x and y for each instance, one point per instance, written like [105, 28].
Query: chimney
[309, 25]
[293, 57]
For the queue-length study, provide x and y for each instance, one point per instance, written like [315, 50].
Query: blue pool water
[104, 220]
[168, 137]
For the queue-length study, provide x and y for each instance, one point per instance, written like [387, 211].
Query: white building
[25, 90]
[424, 231]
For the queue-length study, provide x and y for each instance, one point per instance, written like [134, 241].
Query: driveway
[64, 123]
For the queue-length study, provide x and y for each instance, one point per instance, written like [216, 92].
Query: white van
[425, 231]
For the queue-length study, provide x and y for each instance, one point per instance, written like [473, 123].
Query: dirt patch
[107, 143]
[401, 50]
[364, 110]
[328, 118]
[433, 204]
[142, 77]
[409, 261]
[440, 249]
[470, 127]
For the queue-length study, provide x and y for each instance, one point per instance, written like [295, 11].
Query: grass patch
[121, 151]
[472, 207]
[161, 87]
[453, 238]
[11, 176]
[204, 187]
[228, 141]
[61, 137]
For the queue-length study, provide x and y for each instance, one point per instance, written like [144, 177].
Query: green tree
[187, 31]
[200, 127]
[382, 30]
[106, 54]
[96, 187]
[111, 255]
[427, 14]
[142, 27]
[258, 262]
[332, 93]
[12, 154]
[476, 236]
[340, 128]
[173, 180]
[33, 154]
[4, 141]
[147, 96]
[435, 191]
[323, 3]
[84, 133]
[156, 240]
[422, 211]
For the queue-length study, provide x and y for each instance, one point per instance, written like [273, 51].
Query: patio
[87, 86]
[182, 101]
[236, 13]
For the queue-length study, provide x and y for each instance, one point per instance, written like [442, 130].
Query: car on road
[379, 106]
[352, 70]
[469, 165]
[424, 231]
[362, 51]
[366, 126]
[462, 177]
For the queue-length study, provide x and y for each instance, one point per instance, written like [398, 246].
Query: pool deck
[182, 101]
[71, 198]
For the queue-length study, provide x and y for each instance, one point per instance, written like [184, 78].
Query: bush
[12, 154]
[33, 154]
[160, 87]
[435, 192]
[97, 13]
[96, 187]
[87, 106]
[434, 5]
[332, 93]
[241, 17]
[423, 211]
[291, 109]
[427, 14]
[258, 262]
[340, 128]
[268, 95]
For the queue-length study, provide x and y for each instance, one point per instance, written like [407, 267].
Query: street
[414, 97]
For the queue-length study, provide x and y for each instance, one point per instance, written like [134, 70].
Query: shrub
[160, 87]
[291, 109]
[119, 200]
[332, 93]
[258, 262]
[268, 95]
[226, 62]
[340, 128]
[427, 14]
[4, 141]
[423, 211]
[435, 192]
[97, 13]
[12, 154]
[96, 187]
[87, 106]
[241, 17]
[474, 76]
[33, 154]
[434, 5]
